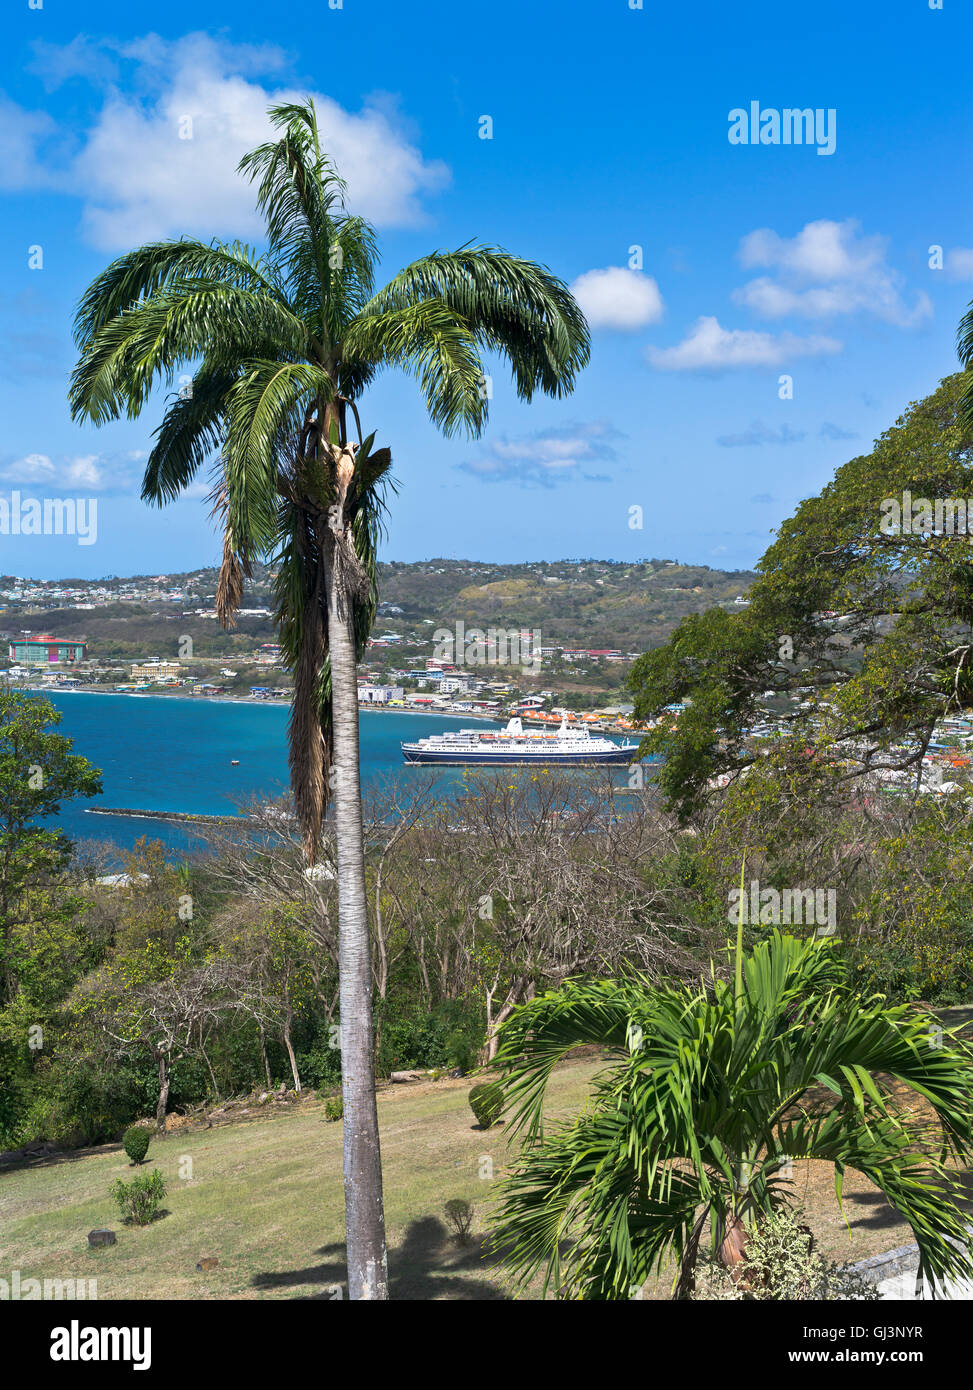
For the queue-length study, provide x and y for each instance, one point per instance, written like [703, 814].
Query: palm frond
[266, 404]
[301, 618]
[184, 321]
[514, 307]
[138, 274]
[328, 256]
[434, 344]
[191, 430]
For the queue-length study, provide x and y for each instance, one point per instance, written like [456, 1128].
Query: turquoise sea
[166, 753]
[160, 753]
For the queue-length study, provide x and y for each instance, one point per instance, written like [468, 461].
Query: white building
[379, 694]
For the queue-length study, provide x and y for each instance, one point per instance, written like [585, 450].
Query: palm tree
[283, 346]
[715, 1090]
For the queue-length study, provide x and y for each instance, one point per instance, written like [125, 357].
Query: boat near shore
[515, 745]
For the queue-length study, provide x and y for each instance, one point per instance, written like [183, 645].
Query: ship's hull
[450, 757]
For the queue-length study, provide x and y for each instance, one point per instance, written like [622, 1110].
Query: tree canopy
[863, 604]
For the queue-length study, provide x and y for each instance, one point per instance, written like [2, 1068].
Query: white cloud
[197, 492]
[827, 269]
[821, 250]
[959, 263]
[618, 298]
[57, 63]
[548, 457]
[709, 347]
[21, 133]
[34, 468]
[141, 181]
[86, 472]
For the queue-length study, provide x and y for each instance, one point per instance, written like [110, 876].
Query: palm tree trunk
[732, 1248]
[732, 1231]
[364, 1210]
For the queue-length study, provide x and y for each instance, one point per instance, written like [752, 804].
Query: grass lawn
[264, 1197]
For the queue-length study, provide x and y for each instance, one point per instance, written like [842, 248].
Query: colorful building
[48, 651]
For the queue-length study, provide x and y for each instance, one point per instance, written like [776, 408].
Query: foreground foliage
[713, 1093]
[781, 1264]
[863, 602]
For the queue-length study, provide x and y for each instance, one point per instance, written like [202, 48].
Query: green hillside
[595, 603]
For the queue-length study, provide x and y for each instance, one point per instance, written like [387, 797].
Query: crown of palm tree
[283, 345]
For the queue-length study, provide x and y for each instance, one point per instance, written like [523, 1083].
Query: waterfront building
[156, 671]
[47, 650]
[379, 694]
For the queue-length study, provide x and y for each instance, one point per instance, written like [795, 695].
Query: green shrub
[418, 1042]
[780, 1264]
[459, 1051]
[320, 1066]
[334, 1108]
[135, 1142]
[486, 1102]
[139, 1199]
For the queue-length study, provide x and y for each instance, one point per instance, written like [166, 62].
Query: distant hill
[591, 602]
[599, 603]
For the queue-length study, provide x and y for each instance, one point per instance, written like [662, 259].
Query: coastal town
[542, 640]
[45, 662]
[496, 675]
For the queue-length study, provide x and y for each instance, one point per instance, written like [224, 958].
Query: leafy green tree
[910, 930]
[276, 951]
[859, 625]
[38, 771]
[713, 1093]
[39, 944]
[284, 346]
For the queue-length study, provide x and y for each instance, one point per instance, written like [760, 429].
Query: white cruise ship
[570, 747]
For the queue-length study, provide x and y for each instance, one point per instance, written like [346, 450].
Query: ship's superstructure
[566, 747]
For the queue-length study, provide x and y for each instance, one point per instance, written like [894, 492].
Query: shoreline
[500, 718]
[179, 817]
[254, 700]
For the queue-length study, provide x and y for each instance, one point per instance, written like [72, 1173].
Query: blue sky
[610, 132]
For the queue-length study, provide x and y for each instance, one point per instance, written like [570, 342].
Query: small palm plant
[715, 1091]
